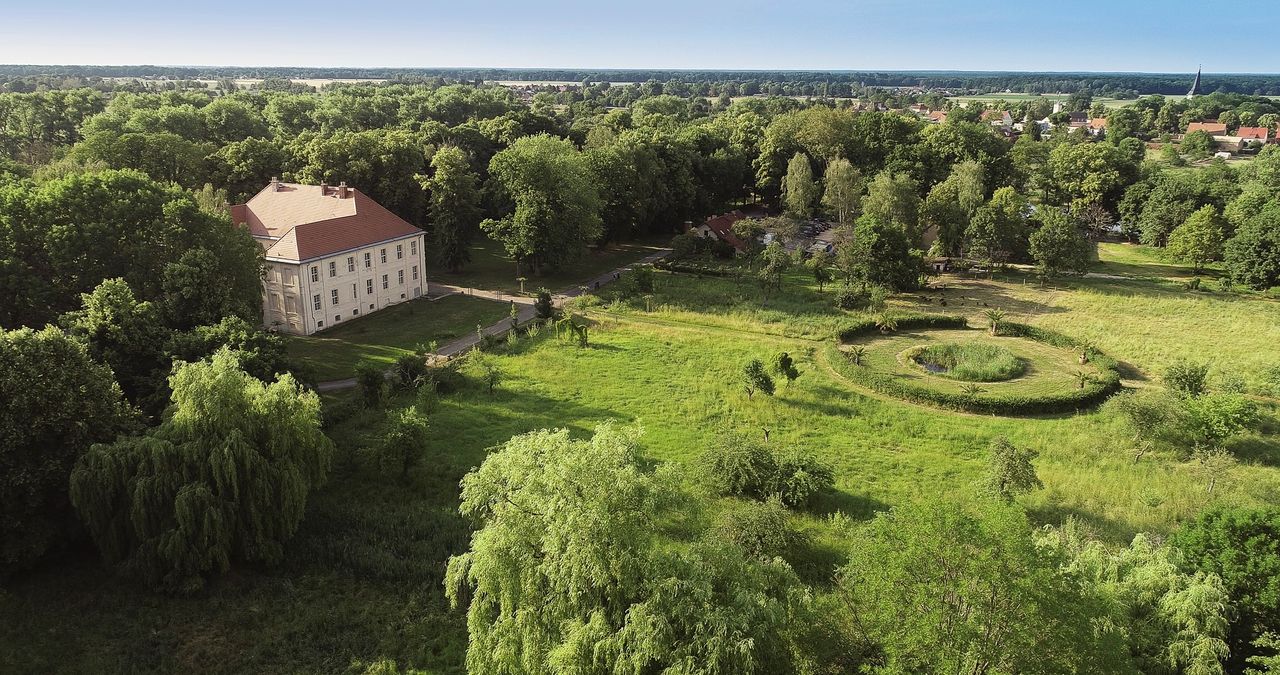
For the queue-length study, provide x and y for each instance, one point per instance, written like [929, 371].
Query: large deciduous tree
[1199, 240]
[940, 589]
[566, 572]
[1242, 547]
[842, 190]
[57, 402]
[454, 207]
[225, 477]
[555, 204]
[61, 238]
[798, 187]
[1058, 247]
[892, 199]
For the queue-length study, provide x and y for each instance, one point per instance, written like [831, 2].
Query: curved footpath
[525, 314]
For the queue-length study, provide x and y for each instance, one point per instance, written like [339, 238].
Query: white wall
[289, 291]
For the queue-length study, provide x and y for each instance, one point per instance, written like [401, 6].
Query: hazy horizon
[1128, 36]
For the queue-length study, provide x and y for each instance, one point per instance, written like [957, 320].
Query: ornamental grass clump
[974, 362]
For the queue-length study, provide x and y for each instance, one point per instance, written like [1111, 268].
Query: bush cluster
[742, 467]
[1091, 394]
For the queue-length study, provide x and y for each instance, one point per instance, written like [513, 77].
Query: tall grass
[973, 361]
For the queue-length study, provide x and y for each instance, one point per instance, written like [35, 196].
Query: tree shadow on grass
[1056, 515]
[1262, 450]
[855, 506]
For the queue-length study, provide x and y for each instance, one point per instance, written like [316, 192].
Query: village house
[1097, 125]
[332, 254]
[719, 228]
[1253, 134]
[1212, 128]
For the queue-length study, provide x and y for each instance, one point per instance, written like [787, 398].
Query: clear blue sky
[1117, 35]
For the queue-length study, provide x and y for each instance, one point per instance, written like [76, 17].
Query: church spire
[1195, 87]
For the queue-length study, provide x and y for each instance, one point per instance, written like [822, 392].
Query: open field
[362, 579]
[386, 335]
[492, 269]
[1018, 98]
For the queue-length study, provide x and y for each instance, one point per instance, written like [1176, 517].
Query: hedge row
[697, 268]
[1075, 399]
[910, 321]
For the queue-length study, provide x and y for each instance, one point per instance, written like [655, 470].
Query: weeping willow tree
[569, 570]
[225, 477]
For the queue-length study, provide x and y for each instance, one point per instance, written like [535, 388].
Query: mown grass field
[362, 578]
[384, 336]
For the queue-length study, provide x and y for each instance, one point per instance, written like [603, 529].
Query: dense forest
[149, 416]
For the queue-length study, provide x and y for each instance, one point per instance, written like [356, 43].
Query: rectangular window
[333, 268]
[333, 295]
[315, 273]
[337, 318]
[351, 263]
[368, 286]
[399, 251]
[384, 282]
[383, 255]
[290, 304]
[415, 272]
[353, 292]
[355, 312]
[413, 247]
[370, 306]
[319, 324]
[315, 301]
[275, 301]
[368, 261]
[400, 277]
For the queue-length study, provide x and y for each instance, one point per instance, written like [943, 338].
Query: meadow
[362, 577]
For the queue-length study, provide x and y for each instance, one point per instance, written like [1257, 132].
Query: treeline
[811, 82]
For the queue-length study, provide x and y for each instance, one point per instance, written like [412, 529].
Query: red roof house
[1213, 128]
[721, 227]
[1252, 133]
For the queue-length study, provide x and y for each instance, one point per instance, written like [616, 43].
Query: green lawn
[492, 269]
[390, 333]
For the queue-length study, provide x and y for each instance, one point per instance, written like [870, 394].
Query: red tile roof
[938, 116]
[303, 222]
[722, 226]
[1217, 128]
[1252, 133]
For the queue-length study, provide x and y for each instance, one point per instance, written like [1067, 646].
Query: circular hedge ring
[940, 361]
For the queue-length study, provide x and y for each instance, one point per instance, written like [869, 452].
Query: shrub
[410, 370]
[760, 529]
[544, 306]
[743, 467]
[850, 298]
[1187, 378]
[372, 381]
[401, 447]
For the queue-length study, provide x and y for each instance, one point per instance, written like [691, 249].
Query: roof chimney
[275, 183]
[342, 190]
[324, 188]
